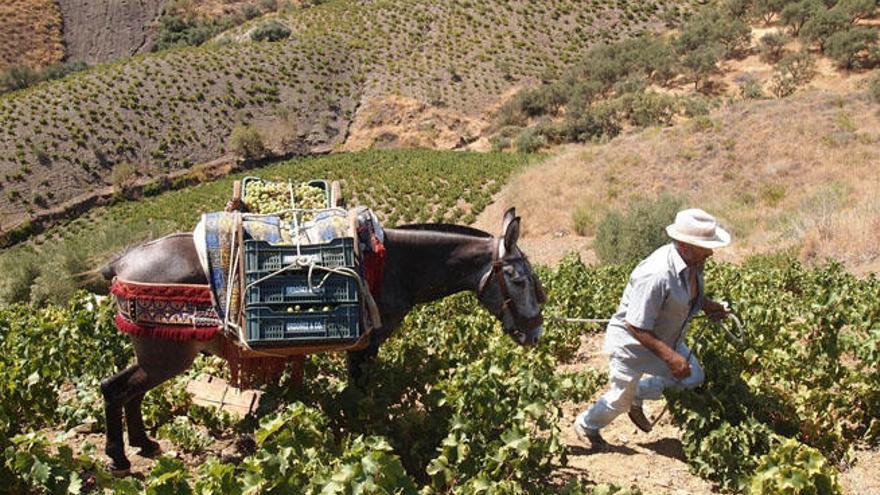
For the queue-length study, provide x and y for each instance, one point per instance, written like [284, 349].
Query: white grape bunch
[267, 197]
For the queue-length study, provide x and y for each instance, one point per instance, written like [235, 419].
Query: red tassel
[178, 333]
[374, 267]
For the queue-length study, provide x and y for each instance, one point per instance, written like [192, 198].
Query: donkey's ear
[508, 217]
[511, 234]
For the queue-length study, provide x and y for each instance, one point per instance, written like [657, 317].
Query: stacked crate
[281, 307]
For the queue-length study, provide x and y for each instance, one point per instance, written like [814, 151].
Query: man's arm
[678, 365]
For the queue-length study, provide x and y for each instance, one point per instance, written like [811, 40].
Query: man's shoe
[589, 434]
[637, 415]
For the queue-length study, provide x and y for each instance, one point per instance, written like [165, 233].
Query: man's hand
[714, 310]
[679, 366]
[233, 204]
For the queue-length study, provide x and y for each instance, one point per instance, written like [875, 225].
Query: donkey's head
[510, 289]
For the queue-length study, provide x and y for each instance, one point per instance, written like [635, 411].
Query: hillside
[30, 33]
[799, 173]
[96, 32]
[168, 111]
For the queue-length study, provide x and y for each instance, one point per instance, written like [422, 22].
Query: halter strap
[497, 271]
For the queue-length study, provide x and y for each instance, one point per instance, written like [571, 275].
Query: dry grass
[797, 173]
[30, 33]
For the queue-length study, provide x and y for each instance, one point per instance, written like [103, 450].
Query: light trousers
[630, 387]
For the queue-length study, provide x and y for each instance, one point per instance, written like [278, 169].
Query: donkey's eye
[518, 280]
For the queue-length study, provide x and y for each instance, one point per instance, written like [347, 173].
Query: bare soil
[30, 33]
[98, 32]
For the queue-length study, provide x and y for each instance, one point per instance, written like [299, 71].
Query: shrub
[856, 10]
[773, 46]
[601, 120]
[792, 71]
[647, 109]
[271, 31]
[874, 87]
[792, 467]
[122, 176]
[175, 30]
[247, 142]
[250, 11]
[18, 77]
[712, 27]
[702, 62]
[530, 141]
[585, 218]
[18, 273]
[624, 237]
[822, 25]
[750, 87]
[796, 14]
[847, 47]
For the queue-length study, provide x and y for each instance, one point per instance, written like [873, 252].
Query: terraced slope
[97, 32]
[30, 33]
[175, 109]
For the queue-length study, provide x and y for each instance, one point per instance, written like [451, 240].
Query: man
[646, 334]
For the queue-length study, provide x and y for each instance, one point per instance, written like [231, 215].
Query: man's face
[694, 256]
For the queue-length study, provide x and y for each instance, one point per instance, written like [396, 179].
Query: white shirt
[656, 299]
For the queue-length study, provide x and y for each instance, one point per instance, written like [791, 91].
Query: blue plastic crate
[263, 258]
[293, 288]
[273, 326]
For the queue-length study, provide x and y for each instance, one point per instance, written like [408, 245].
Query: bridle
[497, 272]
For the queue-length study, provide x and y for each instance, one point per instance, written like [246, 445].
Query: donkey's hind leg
[137, 432]
[113, 390]
[158, 361]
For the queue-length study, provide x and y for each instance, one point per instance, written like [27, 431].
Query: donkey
[424, 263]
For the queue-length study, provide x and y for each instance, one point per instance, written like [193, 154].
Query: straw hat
[695, 226]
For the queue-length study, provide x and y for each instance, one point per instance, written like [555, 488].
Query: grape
[266, 197]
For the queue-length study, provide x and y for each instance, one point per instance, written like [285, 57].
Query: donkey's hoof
[149, 448]
[119, 468]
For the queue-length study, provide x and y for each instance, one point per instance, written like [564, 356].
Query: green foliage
[247, 142]
[178, 31]
[793, 71]
[773, 46]
[848, 48]
[270, 31]
[185, 435]
[529, 141]
[18, 77]
[788, 381]
[822, 25]
[856, 10]
[795, 469]
[47, 466]
[750, 87]
[795, 14]
[452, 406]
[712, 28]
[123, 175]
[623, 237]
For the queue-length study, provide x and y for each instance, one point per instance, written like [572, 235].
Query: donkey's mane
[445, 228]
